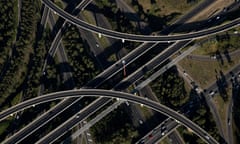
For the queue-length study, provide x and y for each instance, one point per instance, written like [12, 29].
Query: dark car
[141, 141]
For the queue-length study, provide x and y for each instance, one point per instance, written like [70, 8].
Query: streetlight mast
[124, 68]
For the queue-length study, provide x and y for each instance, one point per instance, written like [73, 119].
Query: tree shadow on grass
[226, 54]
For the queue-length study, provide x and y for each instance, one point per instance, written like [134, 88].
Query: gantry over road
[141, 38]
[112, 94]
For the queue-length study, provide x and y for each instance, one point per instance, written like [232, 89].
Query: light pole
[124, 68]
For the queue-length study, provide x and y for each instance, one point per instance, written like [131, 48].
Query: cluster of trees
[35, 74]
[119, 20]
[227, 41]
[82, 63]
[124, 24]
[203, 117]
[29, 88]
[155, 21]
[22, 43]
[8, 18]
[170, 89]
[17, 70]
[115, 128]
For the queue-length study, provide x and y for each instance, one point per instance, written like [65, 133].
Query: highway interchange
[140, 38]
[111, 94]
[129, 58]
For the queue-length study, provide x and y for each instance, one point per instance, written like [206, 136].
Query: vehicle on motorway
[154, 131]
[163, 133]
[184, 72]
[97, 45]
[229, 122]
[207, 137]
[225, 9]
[127, 103]
[17, 116]
[213, 57]
[196, 88]
[211, 93]
[141, 141]
[163, 127]
[140, 121]
[177, 121]
[163, 130]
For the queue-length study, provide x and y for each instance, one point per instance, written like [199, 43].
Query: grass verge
[204, 72]
[165, 8]
[222, 106]
[220, 43]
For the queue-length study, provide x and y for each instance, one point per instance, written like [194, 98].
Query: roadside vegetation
[8, 28]
[17, 70]
[222, 106]
[24, 74]
[36, 76]
[205, 72]
[81, 60]
[224, 43]
[201, 115]
[160, 13]
[14, 80]
[169, 89]
[115, 128]
[118, 20]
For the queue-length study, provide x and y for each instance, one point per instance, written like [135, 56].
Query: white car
[207, 137]
[97, 45]
[211, 93]
[140, 121]
[229, 122]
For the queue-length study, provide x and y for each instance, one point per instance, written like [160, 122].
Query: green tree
[170, 89]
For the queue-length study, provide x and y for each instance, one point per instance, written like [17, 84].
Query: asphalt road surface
[112, 94]
[141, 38]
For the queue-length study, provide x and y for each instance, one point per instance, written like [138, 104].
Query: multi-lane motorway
[141, 38]
[120, 82]
[65, 104]
[100, 79]
[112, 94]
[72, 121]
